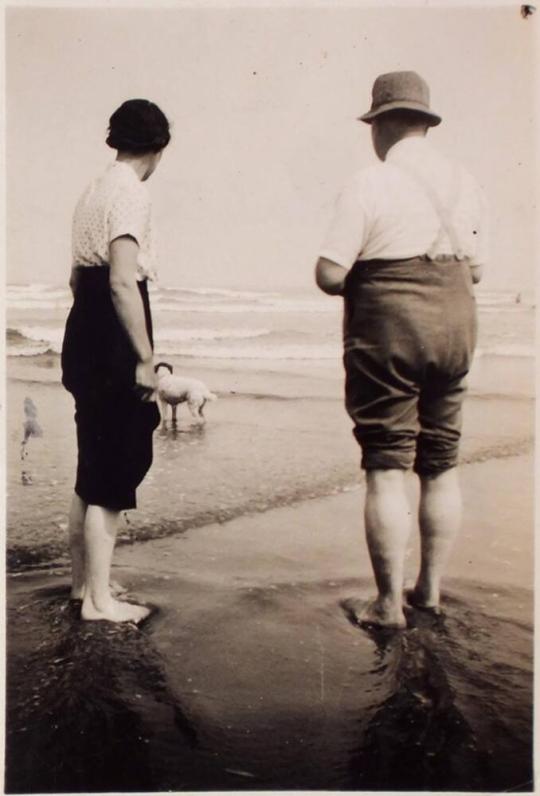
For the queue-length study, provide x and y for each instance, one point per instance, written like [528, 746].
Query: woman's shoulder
[125, 187]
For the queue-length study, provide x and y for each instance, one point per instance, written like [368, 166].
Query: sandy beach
[250, 673]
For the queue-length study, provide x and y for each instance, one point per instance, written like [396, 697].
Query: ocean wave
[521, 350]
[33, 287]
[204, 292]
[48, 295]
[33, 340]
[39, 304]
[41, 296]
[27, 340]
[274, 352]
[20, 345]
[52, 336]
[281, 307]
[501, 298]
[186, 335]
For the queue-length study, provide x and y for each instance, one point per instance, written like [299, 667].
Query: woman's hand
[74, 280]
[146, 380]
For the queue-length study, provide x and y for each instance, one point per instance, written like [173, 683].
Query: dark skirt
[114, 426]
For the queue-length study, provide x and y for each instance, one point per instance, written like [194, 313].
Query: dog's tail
[209, 396]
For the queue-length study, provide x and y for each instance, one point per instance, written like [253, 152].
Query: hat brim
[432, 119]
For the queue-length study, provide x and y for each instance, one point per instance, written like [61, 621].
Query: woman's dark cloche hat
[404, 90]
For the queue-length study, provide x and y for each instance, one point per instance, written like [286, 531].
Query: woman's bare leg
[100, 528]
[77, 513]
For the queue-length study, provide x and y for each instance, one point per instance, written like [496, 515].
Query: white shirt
[386, 213]
[114, 204]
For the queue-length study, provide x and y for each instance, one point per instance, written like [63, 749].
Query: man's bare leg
[440, 520]
[100, 528]
[388, 524]
[77, 514]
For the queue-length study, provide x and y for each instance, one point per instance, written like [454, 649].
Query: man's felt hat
[400, 90]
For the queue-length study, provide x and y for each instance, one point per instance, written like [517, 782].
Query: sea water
[287, 329]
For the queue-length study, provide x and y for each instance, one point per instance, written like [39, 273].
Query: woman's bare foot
[416, 599]
[77, 593]
[116, 589]
[114, 611]
[378, 613]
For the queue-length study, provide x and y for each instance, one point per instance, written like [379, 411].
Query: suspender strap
[444, 212]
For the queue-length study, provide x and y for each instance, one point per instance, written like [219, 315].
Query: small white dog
[174, 390]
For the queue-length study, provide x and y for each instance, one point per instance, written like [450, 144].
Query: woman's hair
[138, 127]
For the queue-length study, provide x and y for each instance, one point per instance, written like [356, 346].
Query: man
[407, 241]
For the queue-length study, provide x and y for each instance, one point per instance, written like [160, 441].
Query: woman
[107, 355]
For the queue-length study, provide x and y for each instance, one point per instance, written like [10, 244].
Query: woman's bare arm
[129, 307]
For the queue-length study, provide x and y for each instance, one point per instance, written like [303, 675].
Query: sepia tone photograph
[270, 378]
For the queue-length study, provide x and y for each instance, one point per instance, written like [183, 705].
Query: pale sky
[263, 104]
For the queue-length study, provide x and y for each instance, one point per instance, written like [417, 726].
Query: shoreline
[208, 473]
[24, 559]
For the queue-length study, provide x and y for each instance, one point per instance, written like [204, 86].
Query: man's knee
[388, 459]
[385, 481]
[439, 480]
[430, 465]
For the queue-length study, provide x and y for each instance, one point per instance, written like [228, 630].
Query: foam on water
[275, 352]
[295, 326]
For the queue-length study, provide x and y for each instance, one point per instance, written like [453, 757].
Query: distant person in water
[406, 243]
[107, 354]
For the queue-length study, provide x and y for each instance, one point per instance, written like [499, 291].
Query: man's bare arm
[330, 276]
[476, 273]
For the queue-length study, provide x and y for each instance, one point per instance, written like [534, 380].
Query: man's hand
[146, 380]
[330, 276]
[476, 273]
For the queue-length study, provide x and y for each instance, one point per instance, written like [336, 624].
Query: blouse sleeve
[129, 214]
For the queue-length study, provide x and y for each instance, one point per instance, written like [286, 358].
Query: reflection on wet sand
[266, 687]
[188, 434]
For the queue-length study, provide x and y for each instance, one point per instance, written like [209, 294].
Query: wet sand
[250, 674]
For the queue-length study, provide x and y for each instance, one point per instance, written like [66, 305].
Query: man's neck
[410, 136]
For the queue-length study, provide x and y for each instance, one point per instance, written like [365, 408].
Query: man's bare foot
[378, 613]
[116, 589]
[114, 611]
[416, 599]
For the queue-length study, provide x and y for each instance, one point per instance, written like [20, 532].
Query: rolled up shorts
[409, 335]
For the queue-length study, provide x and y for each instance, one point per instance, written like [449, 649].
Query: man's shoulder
[372, 177]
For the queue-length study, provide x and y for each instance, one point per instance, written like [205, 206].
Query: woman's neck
[139, 163]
